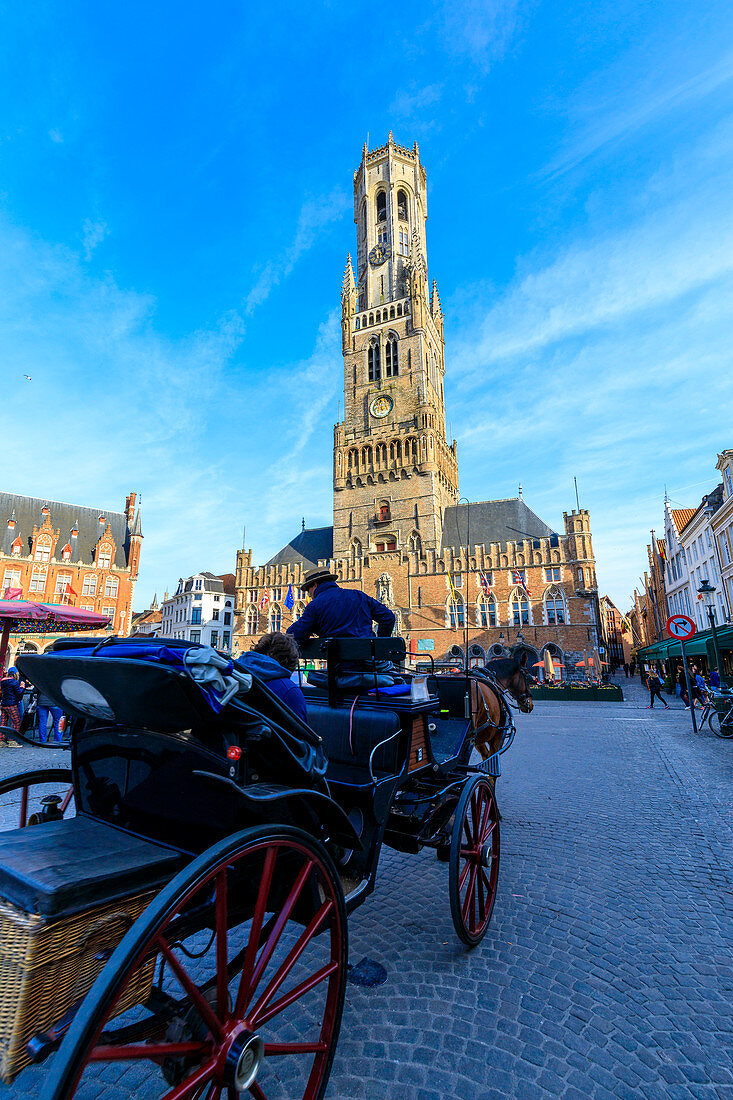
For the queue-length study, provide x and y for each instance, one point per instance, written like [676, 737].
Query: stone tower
[394, 470]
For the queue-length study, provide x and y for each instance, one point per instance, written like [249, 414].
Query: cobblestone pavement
[606, 971]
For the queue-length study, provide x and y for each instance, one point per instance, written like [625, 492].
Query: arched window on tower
[402, 204]
[390, 357]
[382, 206]
[363, 220]
[415, 541]
[375, 366]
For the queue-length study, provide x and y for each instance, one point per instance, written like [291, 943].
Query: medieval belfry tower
[394, 472]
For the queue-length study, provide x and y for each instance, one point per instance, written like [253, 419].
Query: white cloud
[413, 100]
[314, 216]
[56, 136]
[94, 233]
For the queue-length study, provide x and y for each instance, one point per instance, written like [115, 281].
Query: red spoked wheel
[474, 860]
[250, 946]
[43, 795]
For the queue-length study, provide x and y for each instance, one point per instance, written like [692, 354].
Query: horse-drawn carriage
[177, 914]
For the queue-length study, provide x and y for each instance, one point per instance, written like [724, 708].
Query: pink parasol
[27, 617]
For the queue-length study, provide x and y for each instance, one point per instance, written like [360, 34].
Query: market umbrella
[28, 617]
[550, 664]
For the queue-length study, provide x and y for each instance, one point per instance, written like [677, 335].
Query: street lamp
[520, 638]
[705, 592]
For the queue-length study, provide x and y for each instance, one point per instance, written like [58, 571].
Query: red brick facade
[62, 553]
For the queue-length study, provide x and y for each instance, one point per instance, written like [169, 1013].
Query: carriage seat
[368, 729]
[63, 867]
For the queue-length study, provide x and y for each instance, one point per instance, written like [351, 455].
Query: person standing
[44, 707]
[626, 669]
[11, 693]
[682, 684]
[655, 689]
[632, 668]
[715, 679]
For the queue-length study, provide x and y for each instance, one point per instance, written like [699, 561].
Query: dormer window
[728, 481]
[66, 553]
[17, 546]
[104, 557]
[382, 206]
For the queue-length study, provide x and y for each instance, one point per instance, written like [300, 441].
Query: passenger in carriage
[272, 660]
[339, 612]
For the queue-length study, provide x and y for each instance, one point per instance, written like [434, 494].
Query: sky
[176, 209]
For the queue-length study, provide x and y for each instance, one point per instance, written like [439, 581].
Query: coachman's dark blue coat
[342, 613]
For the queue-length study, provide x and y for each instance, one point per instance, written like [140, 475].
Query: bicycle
[720, 723]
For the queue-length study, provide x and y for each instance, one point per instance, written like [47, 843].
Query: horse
[486, 707]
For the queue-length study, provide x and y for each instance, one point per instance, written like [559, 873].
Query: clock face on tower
[381, 406]
[379, 254]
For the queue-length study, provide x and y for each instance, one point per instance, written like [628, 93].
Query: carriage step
[491, 766]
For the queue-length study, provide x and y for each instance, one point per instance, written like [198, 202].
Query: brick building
[72, 554]
[489, 575]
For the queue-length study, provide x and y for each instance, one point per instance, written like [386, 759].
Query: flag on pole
[69, 591]
[289, 601]
[264, 601]
[484, 583]
[519, 579]
[451, 587]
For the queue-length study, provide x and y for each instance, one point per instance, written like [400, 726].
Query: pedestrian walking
[626, 669]
[632, 668]
[682, 684]
[655, 689]
[11, 694]
[44, 707]
[697, 686]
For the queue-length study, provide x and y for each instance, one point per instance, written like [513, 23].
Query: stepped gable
[310, 546]
[63, 518]
[681, 517]
[499, 521]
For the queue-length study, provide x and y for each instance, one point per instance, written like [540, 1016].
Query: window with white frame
[87, 606]
[104, 557]
[487, 611]
[62, 579]
[250, 621]
[214, 639]
[554, 606]
[520, 608]
[215, 613]
[195, 635]
[277, 594]
[111, 586]
[11, 579]
[456, 614]
[728, 482]
[552, 574]
[724, 547]
[38, 578]
[43, 548]
[252, 595]
[198, 583]
[109, 612]
[276, 619]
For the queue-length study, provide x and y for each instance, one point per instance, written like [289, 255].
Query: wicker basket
[47, 965]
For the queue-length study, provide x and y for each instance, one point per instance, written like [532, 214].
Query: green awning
[698, 646]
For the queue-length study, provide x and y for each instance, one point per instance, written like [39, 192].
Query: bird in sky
[27, 377]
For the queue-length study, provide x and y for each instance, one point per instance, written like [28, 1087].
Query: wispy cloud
[94, 233]
[414, 99]
[598, 123]
[477, 29]
[56, 137]
[314, 216]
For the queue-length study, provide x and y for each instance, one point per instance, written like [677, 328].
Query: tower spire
[348, 283]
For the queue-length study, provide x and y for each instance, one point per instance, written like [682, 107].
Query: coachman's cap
[316, 576]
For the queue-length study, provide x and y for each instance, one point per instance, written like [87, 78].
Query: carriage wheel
[22, 804]
[474, 860]
[257, 1013]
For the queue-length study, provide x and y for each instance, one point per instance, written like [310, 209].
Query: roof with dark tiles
[310, 546]
[64, 518]
[487, 521]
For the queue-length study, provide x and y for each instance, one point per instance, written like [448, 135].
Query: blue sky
[175, 212]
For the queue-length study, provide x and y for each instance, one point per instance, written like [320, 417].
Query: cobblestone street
[606, 971]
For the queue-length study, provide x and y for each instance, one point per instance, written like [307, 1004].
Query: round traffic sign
[680, 627]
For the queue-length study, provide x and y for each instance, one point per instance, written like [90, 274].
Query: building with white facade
[722, 527]
[201, 610]
[677, 578]
[701, 553]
